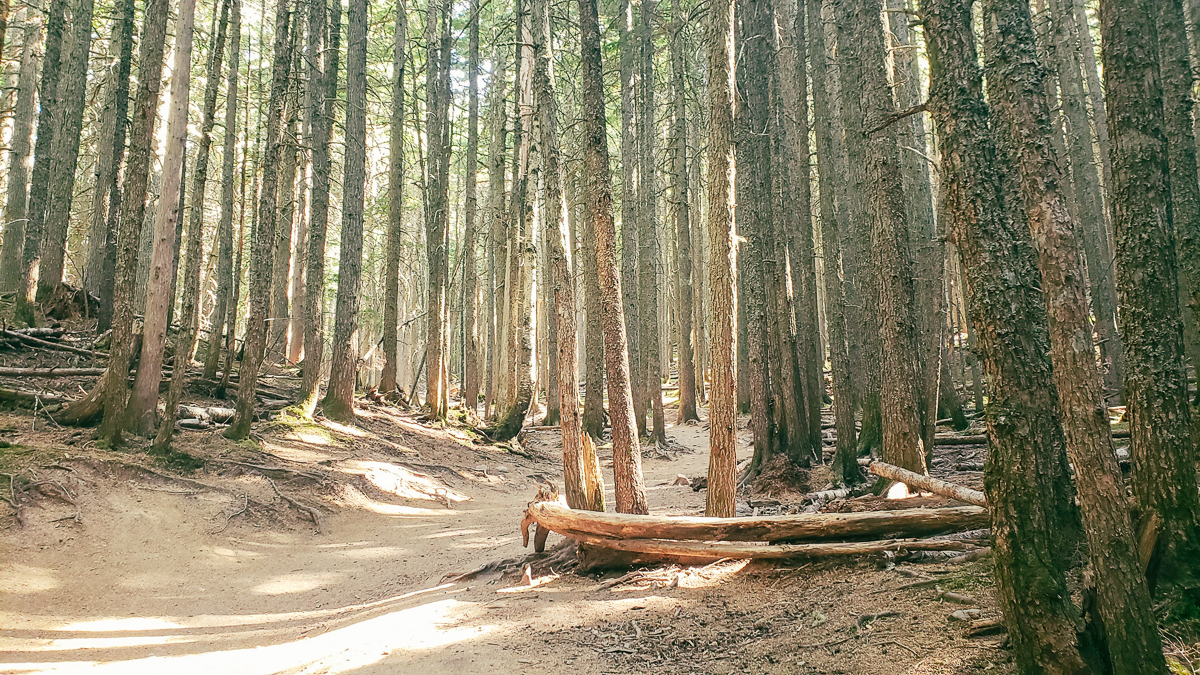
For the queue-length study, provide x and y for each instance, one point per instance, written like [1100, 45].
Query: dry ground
[215, 573]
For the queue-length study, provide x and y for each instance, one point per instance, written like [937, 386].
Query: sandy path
[144, 587]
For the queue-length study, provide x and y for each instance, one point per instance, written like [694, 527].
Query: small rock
[500, 468]
[966, 615]
[481, 468]
[681, 479]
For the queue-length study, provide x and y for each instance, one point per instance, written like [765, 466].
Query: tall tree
[141, 411]
[1015, 83]
[627, 458]
[72, 93]
[50, 117]
[339, 399]
[629, 208]
[1164, 457]
[722, 413]
[681, 213]
[322, 77]
[262, 257]
[582, 479]
[225, 312]
[395, 230]
[437, 208]
[647, 217]
[498, 111]
[13, 248]
[1025, 476]
[470, 382]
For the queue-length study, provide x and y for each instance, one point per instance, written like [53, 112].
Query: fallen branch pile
[48, 339]
[692, 540]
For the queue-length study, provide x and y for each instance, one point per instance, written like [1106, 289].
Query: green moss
[291, 421]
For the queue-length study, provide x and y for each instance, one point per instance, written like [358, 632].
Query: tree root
[312, 512]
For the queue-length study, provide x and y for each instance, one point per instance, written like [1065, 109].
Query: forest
[829, 336]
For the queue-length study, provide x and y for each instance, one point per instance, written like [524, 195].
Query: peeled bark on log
[695, 551]
[800, 527]
[928, 483]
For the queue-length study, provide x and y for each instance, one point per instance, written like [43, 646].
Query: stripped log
[697, 551]
[928, 483]
[799, 527]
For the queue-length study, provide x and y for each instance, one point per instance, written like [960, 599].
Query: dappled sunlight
[296, 583]
[340, 650]
[344, 428]
[23, 579]
[402, 482]
[452, 533]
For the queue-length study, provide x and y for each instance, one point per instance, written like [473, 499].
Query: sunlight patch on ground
[401, 482]
[296, 583]
[452, 533]
[344, 429]
[341, 650]
[23, 579]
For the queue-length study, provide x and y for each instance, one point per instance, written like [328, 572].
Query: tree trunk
[338, 403]
[225, 313]
[627, 458]
[683, 229]
[141, 412]
[262, 258]
[593, 397]
[322, 77]
[829, 146]
[647, 220]
[582, 478]
[72, 90]
[1018, 96]
[285, 224]
[50, 117]
[470, 384]
[437, 207]
[1164, 458]
[1025, 475]
[395, 231]
[12, 251]
[495, 213]
[629, 229]
[722, 411]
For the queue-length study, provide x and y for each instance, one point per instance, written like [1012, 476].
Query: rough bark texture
[627, 457]
[50, 116]
[581, 468]
[261, 259]
[323, 79]
[1025, 473]
[142, 410]
[72, 88]
[829, 146]
[437, 209]
[495, 215]
[1164, 458]
[339, 398]
[722, 411]
[12, 250]
[224, 317]
[1015, 81]
[647, 217]
[629, 208]
[683, 229]
[395, 227]
[593, 397]
[105, 171]
[470, 337]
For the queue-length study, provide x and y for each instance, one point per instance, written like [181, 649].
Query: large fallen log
[50, 372]
[928, 483]
[982, 439]
[799, 527]
[35, 397]
[699, 551]
[45, 344]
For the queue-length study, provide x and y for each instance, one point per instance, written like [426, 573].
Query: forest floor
[197, 565]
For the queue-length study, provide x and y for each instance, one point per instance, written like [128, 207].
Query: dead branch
[46, 344]
[897, 116]
[50, 372]
[928, 483]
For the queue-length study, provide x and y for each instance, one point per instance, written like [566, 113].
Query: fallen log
[50, 372]
[982, 439]
[220, 415]
[928, 483]
[697, 551]
[29, 396]
[45, 344]
[799, 527]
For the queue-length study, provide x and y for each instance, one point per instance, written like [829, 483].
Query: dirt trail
[147, 584]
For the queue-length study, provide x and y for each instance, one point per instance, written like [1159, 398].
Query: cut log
[799, 527]
[928, 483]
[698, 551]
[50, 372]
[219, 415]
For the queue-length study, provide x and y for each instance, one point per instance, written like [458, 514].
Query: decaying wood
[46, 344]
[50, 372]
[982, 439]
[981, 627]
[219, 415]
[799, 527]
[21, 395]
[928, 483]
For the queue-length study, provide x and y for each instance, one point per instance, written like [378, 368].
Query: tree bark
[683, 229]
[470, 383]
[647, 220]
[1164, 458]
[437, 210]
[722, 412]
[50, 117]
[627, 458]
[12, 251]
[262, 258]
[1015, 82]
[1025, 474]
[495, 213]
[395, 230]
[141, 412]
[338, 403]
[629, 231]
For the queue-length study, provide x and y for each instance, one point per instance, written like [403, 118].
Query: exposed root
[312, 512]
